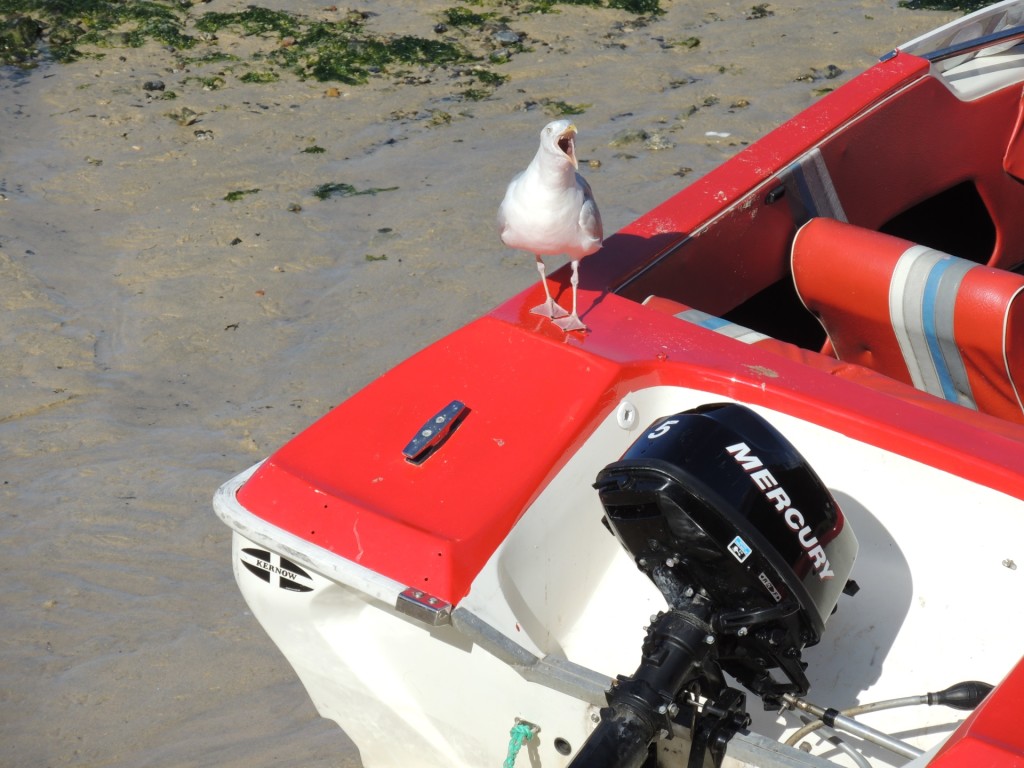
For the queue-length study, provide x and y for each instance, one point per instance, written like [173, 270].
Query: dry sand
[158, 338]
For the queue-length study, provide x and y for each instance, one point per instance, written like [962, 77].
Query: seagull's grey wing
[502, 221]
[590, 216]
[510, 192]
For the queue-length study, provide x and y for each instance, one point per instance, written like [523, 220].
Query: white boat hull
[561, 603]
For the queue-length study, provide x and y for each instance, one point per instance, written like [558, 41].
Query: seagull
[549, 210]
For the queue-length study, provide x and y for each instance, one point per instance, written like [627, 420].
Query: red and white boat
[803, 375]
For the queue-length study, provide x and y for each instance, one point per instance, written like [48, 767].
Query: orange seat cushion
[943, 324]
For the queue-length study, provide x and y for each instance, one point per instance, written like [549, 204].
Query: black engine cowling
[751, 553]
[716, 500]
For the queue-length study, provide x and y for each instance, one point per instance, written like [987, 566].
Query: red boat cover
[1013, 160]
[944, 324]
[535, 394]
[992, 735]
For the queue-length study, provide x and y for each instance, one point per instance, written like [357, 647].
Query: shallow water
[157, 338]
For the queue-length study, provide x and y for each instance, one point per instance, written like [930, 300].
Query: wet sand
[159, 338]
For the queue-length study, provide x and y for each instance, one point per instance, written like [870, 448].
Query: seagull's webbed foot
[549, 309]
[571, 323]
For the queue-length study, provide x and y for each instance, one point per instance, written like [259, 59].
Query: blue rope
[520, 734]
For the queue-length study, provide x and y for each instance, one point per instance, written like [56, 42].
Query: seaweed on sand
[340, 49]
[102, 23]
[341, 189]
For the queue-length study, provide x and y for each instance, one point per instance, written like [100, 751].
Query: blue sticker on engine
[740, 549]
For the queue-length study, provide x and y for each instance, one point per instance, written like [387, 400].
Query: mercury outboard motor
[751, 553]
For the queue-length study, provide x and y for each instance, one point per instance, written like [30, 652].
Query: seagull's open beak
[567, 143]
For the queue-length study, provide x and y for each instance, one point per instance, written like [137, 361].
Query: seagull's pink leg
[549, 308]
[573, 322]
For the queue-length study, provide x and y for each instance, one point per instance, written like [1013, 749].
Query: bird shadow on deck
[622, 257]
